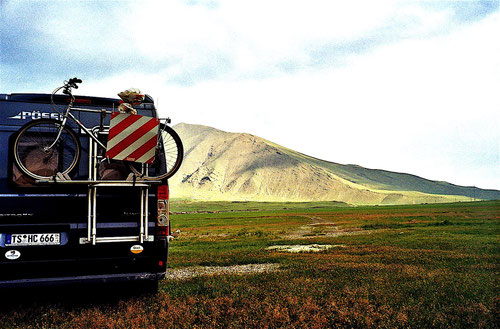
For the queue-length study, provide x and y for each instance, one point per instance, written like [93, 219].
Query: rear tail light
[162, 231]
[163, 219]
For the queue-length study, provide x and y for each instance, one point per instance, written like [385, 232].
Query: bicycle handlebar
[71, 83]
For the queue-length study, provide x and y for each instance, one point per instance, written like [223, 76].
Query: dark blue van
[84, 229]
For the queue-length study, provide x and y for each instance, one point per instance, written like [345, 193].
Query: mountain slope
[230, 166]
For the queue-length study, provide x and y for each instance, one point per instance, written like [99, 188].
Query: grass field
[425, 266]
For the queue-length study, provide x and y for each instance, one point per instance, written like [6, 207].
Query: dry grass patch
[195, 271]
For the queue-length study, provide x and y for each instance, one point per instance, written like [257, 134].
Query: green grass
[422, 266]
[225, 206]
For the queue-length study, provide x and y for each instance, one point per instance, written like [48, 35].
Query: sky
[405, 86]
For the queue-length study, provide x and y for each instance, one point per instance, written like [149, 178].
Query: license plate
[39, 239]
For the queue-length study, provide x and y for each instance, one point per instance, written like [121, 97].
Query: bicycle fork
[46, 149]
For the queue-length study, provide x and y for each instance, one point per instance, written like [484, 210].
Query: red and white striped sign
[132, 137]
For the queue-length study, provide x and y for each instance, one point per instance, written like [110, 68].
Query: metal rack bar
[89, 213]
[92, 188]
[80, 109]
[146, 205]
[93, 183]
[90, 193]
[141, 225]
[111, 239]
[94, 214]
[101, 183]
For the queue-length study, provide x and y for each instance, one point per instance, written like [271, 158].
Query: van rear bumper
[101, 278]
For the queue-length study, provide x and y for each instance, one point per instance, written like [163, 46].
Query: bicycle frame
[65, 118]
[88, 131]
[166, 172]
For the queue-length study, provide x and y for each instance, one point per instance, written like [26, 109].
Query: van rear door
[44, 227]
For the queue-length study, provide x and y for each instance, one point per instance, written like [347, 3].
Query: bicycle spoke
[33, 156]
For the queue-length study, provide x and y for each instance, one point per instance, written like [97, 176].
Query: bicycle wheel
[31, 153]
[168, 156]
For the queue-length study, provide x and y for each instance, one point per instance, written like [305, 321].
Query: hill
[237, 166]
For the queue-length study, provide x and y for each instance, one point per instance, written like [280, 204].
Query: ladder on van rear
[94, 183]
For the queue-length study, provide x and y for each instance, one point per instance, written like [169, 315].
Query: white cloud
[397, 85]
[422, 106]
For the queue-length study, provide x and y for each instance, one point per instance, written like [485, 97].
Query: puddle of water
[305, 248]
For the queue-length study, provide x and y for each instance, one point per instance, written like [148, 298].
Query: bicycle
[43, 148]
